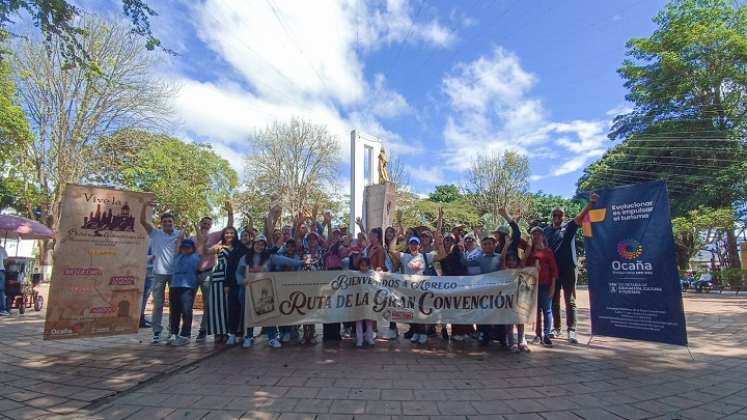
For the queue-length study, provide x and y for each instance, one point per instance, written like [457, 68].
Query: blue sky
[439, 81]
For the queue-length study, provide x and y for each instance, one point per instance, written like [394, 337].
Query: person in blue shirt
[182, 292]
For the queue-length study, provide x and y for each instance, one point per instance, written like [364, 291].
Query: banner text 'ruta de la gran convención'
[310, 297]
[99, 264]
[634, 285]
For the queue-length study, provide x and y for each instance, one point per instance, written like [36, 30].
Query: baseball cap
[502, 229]
[187, 243]
[536, 229]
[261, 237]
[414, 239]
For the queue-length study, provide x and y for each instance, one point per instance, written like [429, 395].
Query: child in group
[259, 260]
[364, 265]
[510, 260]
[182, 292]
[539, 253]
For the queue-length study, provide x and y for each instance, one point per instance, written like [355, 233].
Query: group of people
[217, 263]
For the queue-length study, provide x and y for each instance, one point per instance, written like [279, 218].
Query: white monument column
[364, 152]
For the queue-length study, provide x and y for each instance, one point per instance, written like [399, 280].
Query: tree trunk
[733, 251]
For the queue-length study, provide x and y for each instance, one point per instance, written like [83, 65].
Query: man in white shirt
[3, 256]
[164, 244]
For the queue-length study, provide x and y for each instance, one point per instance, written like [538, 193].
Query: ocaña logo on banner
[630, 249]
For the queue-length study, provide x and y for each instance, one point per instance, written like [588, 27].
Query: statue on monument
[383, 173]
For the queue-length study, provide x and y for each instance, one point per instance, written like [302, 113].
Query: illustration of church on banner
[372, 193]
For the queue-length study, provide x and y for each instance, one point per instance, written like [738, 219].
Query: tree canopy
[445, 193]
[58, 21]
[687, 85]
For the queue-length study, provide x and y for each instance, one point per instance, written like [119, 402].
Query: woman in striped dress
[218, 305]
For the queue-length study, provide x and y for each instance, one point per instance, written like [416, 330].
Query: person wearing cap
[561, 238]
[488, 261]
[538, 254]
[164, 244]
[414, 262]
[258, 259]
[182, 292]
[471, 252]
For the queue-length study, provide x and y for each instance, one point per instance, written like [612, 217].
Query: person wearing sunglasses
[561, 238]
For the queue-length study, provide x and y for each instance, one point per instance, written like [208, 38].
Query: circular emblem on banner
[629, 249]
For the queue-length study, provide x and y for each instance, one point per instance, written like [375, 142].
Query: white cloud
[278, 59]
[430, 175]
[493, 112]
[381, 23]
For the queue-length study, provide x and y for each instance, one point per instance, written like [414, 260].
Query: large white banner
[304, 297]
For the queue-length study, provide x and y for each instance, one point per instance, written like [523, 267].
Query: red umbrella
[21, 228]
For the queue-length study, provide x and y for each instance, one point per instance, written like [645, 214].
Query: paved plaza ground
[127, 377]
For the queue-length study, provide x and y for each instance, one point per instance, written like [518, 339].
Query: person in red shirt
[540, 255]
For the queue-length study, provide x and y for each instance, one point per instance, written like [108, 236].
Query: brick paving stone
[153, 413]
[364, 394]
[333, 393]
[348, 407]
[302, 392]
[25, 413]
[187, 413]
[596, 414]
[313, 406]
[384, 407]
[419, 408]
[526, 405]
[629, 412]
[559, 415]
[397, 394]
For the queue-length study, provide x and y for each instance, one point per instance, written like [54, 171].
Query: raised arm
[438, 241]
[144, 219]
[593, 198]
[359, 222]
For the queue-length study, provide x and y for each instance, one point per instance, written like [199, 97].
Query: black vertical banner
[634, 286]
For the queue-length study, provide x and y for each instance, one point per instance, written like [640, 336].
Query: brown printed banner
[306, 297]
[99, 264]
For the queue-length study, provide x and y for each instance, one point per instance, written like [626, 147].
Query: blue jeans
[3, 299]
[272, 332]
[159, 289]
[146, 293]
[544, 308]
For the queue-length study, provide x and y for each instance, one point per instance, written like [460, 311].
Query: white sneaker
[180, 341]
[572, 337]
[231, 340]
[171, 340]
[248, 341]
[415, 338]
[423, 339]
[371, 339]
[347, 333]
[275, 343]
[391, 334]
[156, 338]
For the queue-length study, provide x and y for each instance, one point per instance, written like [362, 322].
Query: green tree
[687, 84]
[58, 21]
[69, 108]
[189, 180]
[541, 206]
[445, 193]
[699, 228]
[495, 182]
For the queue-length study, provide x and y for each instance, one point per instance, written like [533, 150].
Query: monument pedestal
[379, 203]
